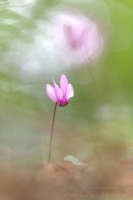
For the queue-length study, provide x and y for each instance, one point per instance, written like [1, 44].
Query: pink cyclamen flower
[76, 36]
[61, 94]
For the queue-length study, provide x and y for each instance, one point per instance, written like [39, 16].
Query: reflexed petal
[51, 93]
[64, 83]
[70, 91]
[58, 91]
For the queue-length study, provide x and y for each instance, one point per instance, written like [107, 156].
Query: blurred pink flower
[60, 95]
[77, 38]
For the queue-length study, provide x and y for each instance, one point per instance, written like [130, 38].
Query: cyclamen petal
[51, 93]
[64, 84]
[70, 91]
[58, 91]
[60, 95]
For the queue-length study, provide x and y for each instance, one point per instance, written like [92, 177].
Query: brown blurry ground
[104, 177]
[108, 173]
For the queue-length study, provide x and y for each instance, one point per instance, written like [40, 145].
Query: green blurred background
[98, 119]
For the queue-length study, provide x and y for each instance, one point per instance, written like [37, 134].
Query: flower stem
[52, 128]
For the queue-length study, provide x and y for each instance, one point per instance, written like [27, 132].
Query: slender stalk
[52, 128]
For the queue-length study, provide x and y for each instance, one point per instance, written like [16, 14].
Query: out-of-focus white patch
[29, 71]
[8, 21]
[75, 161]
[113, 112]
[20, 2]
[39, 53]
[21, 7]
